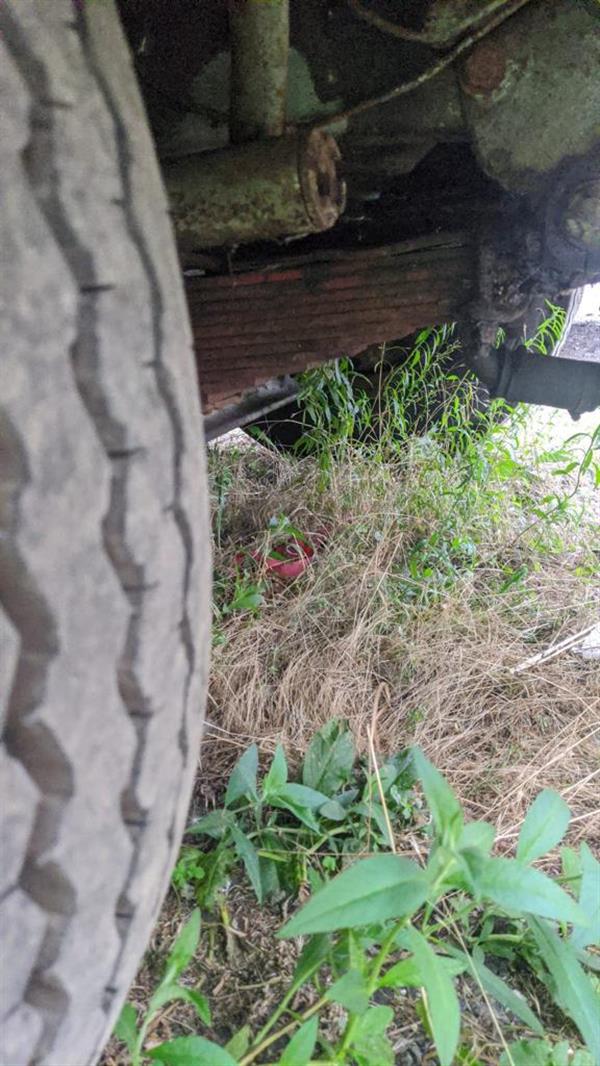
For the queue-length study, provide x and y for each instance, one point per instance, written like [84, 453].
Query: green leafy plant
[386, 922]
[133, 1030]
[287, 833]
[544, 1053]
[549, 330]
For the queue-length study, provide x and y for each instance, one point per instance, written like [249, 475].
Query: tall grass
[419, 390]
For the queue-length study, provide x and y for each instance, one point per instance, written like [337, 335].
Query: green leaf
[442, 1002]
[311, 958]
[191, 1051]
[479, 835]
[587, 959]
[373, 890]
[126, 1027]
[465, 1057]
[213, 824]
[277, 775]
[545, 825]
[183, 949]
[305, 797]
[370, 1045]
[330, 757]
[168, 993]
[541, 1053]
[523, 888]
[407, 974]
[301, 813]
[300, 1048]
[350, 991]
[527, 1053]
[216, 865]
[240, 1042]
[378, 815]
[269, 877]
[589, 900]
[443, 804]
[498, 988]
[571, 867]
[574, 989]
[300, 801]
[333, 811]
[243, 777]
[249, 857]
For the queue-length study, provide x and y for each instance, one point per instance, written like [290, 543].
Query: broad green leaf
[527, 1053]
[544, 827]
[370, 1045]
[249, 857]
[347, 797]
[523, 888]
[442, 1002]
[333, 811]
[304, 797]
[167, 993]
[589, 900]
[269, 878]
[213, 824]
[126, 1027]
[541, 1053]
[443, 804]
[407, 974]
[479, 835]
[574, 989]
[287, 803]
[248, 600]
[277, 775]
[183, 949]
[498, 988]
[191, 1051]
[350, 991]
[372, 890]
[582, 1058]
[330, 757]
[240, 1042]
[300, 1048]
[243, 776]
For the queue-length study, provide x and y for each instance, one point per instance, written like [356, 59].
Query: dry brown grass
[344, 639]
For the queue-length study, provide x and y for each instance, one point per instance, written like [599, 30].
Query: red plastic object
[287, 560]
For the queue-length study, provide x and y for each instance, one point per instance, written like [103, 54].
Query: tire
[104, 565]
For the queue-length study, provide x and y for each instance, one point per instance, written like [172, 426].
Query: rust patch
[484, 69]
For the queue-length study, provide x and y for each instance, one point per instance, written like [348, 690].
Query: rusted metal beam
[250, 327]
[259, 35]
[256, 191]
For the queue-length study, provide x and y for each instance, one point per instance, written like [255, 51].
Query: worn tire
[104, 566]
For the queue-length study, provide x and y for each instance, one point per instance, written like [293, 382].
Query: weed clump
[387, 924]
